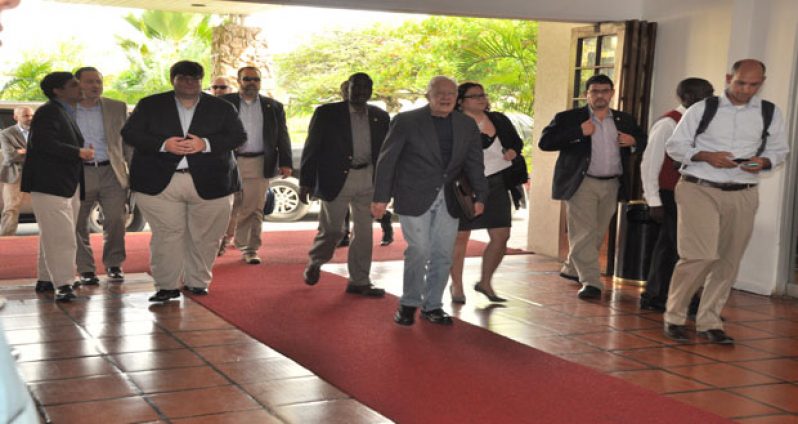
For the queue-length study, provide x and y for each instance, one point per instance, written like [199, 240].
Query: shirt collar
[180, 104]
[755, 101]
[681, 109]
[23, 130]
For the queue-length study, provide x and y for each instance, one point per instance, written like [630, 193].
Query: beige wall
[551, 96]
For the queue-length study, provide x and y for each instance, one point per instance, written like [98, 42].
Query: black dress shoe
[312, 274]
[405, 315]
[716, 336]
[437, 316]
[387, 236]
[491, 296]
[196, 290]
[164, 295]
[651, 305]
[115, 274]
[569, 277]
[65, 293]
[367, 290]
[344, 241]
[88, 279]
[676, 333]
[589, 292]
[44, 286]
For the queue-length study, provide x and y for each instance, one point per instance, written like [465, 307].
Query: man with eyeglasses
[591, 174]
[425, 151]
[266, 154]
[183, 176]
[221, 86]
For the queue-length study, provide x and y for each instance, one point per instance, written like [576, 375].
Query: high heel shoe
[460, 300]
[491, 296]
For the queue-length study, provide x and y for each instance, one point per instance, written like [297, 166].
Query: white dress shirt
[654, 156]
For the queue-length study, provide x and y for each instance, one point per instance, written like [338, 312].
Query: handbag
[465, 196]
[268, 206]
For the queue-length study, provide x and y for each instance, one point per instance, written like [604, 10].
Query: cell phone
[741, 160]
[750, 164]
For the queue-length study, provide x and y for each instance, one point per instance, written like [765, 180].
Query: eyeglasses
[248, 79]
[601, 92]
[219, 87]
[476, 96]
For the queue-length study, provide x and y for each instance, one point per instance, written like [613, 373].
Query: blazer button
[346, 172]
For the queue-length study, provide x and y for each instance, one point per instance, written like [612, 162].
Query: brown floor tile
[583, 309]
[82, 389]
[185, 324]
[727, 353]
[778, 327]
[784, 396]
[35, 321]
[520, 330]
[723, 403]
[239, 417]
[665, 357]
[66, 368]
[781, 346]
[660, 381]
[44, 335]
[259, 370]
[141, 343]
[557, 344]
[293, 390]
[57, 350]
[125, 410]
[769, 419]
[29, 307]
[214, 400]
[722, 375]
[615, 340]
[130, 328]
[784, 369]
[604, 361]
[177, 379]
[343, 411]
[737, 314]
[155, 360]
[625, 322]
[742, 332]
[237, 352]
[213, 337]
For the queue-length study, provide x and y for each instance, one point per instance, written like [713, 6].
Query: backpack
[712, 108]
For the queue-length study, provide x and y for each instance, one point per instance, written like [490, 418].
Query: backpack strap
[768, 109]
[710, 109]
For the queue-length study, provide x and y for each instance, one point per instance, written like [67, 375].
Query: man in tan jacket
[13, 142]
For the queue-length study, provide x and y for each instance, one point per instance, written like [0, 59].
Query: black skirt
[498, 209]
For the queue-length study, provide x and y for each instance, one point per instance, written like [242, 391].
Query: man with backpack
[723, 143]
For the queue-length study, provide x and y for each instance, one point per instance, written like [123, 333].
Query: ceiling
[221, 7]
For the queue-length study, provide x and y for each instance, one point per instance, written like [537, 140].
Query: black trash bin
[637, 234]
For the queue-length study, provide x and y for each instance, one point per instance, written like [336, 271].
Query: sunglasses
[248, 79]
[219, 87]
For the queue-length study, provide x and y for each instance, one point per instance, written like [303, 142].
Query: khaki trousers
[357, 193]
[186, 230]
[56, 217]
[102, 186]
[712, 232]
[12, 200]
[589, 212]
[246, 221]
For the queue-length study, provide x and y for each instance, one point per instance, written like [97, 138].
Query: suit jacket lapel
[344, 116]
[76, 134]
[112, 147]
[269, 121]
[19, 139]
[427, 127]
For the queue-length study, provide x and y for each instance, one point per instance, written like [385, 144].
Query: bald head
[23, 115]
[221, 86]
[745, 80]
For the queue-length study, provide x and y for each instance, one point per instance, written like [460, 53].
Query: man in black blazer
[338, 160]
[591, 174]
[183, 174]
[54, 178]
[425, 151]
[266, 154]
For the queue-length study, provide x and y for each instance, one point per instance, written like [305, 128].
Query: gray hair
[437, 79]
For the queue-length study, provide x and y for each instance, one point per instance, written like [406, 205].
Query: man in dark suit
[591, 174]
[13, 141]
[425, 151]
[183, 175]
[54, 177]
[266, 154]
[338, 159]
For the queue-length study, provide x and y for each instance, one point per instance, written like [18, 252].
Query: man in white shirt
[717, 196]
[659, 176]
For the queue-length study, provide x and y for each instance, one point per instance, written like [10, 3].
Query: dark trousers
[664, 256]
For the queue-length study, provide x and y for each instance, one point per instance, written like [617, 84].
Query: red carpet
[289, 247]
[424, 373]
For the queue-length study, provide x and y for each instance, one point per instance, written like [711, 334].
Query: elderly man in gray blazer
[424, 152]
[13, 142]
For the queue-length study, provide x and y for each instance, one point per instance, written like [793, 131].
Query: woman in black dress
[501, 146]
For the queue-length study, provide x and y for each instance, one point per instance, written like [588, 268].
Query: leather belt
[101, 163]
[360, 165]
[182, 171]
[611, 177]
[720, 186]
[249, 154]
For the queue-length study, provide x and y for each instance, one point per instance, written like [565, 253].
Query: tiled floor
[110, 358]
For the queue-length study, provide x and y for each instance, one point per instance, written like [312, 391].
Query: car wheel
[134, 222]
[287, 207]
